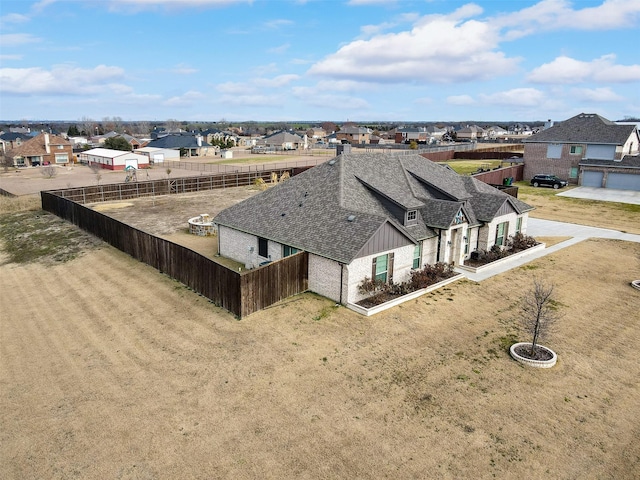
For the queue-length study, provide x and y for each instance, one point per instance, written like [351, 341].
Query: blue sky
[338, 60]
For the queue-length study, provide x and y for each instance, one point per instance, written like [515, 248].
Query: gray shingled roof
[179, 140]
[584, 128]
[310, 211]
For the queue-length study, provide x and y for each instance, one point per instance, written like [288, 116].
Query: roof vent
[332, 161]
[351, 218]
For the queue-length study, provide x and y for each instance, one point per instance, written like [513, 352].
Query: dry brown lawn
[109, 369]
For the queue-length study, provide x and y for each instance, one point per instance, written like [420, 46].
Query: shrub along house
[369, 215]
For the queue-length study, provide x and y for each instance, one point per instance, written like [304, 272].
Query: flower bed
[392, 301]
[476, 267]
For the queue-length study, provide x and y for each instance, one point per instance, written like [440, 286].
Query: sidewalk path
[548, 228]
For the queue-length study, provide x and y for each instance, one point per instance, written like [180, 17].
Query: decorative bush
[515, 243]
[519, 242]
[379, 292]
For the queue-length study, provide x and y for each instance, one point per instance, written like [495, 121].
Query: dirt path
[120, 372]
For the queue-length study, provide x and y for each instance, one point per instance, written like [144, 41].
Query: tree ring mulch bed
[539, 353]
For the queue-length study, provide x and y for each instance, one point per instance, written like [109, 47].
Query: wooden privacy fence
[240, 294]
[123, 191]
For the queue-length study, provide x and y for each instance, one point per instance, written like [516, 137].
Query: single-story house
[369, 215]
[113, 159]
[587, 150]
[281, 140]
[43, 149]
[159, 155]
[191, 145]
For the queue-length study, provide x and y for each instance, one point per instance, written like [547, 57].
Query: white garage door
[131, 163]
[592, 179]
[623, 181]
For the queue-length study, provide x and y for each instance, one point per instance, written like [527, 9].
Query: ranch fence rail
[239, 293]
[124, 191]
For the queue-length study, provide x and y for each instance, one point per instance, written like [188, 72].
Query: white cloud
[187, 99]
[10, 57]
[567, 70]
[277, 23]
[549, 15]
[13, 18]
[358, 3]
[190, 3]
[600, 95]
[280, 49]
[14, 39]
[276, 82]
[460, 100]
[183, 69]
[60, 80]
[438, 49]
[251, 100]
[520, 97]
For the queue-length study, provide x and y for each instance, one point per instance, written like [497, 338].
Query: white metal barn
[159, 155]
[113, 159]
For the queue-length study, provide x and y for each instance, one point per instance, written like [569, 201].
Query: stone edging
[405, 298]
[515, 256]
[533, 363]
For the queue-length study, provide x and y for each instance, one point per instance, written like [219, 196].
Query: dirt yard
[110, 369]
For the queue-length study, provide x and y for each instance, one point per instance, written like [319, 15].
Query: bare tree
[539, 311]
[49, 171]
[6, 161]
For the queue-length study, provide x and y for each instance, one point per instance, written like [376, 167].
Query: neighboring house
[113, 159]
[159, 155]
[495, 132]
[43, 149]
[133, 141]
[214, 134]
[354, 135]
[282, 140]
[10, 140]
[411, 134]
[586, 150]
[191, 144]
[369, 215]
[472, 132]
[317, 134]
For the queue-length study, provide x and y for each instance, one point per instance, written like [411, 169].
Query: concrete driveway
[547, 228]
[603, 194]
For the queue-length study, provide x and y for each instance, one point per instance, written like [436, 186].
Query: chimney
[47, 147]
[199, 137]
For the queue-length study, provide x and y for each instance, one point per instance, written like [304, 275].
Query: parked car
[548, 181]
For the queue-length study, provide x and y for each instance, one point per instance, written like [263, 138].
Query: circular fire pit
[202, 225]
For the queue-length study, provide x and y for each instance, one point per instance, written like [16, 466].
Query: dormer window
[411, 217]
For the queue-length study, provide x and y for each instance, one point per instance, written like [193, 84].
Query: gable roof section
[584, 128]
[311, 211]
[35, 146]
[174, 141]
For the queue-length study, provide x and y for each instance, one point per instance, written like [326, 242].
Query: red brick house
[43, 149]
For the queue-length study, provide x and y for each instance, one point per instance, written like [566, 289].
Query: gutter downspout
[341, 280]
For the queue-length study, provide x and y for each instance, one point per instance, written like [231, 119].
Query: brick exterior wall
[536, 161]
[324, 278]
[487, 234]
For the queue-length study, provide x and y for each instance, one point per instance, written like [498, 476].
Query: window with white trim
[501, 233]
[412, 217]
[417, 255]
[62, 157]
[382, 268]
[575, 150]
[519, 225]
